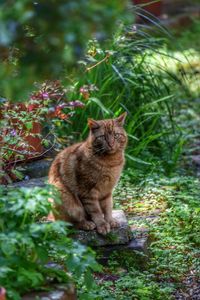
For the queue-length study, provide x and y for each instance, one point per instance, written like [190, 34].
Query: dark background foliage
[43, 39]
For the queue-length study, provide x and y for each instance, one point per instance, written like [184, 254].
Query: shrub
[28, 245]
[124, 78]
[26, 127]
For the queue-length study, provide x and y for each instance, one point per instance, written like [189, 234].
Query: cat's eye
[117, 135]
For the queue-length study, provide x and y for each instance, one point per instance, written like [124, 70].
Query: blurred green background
[42, 40]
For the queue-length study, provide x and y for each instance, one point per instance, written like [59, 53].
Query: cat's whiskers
[100, 150]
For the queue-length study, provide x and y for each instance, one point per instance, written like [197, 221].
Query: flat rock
[136, 250]
[133, 254]
[117, 236]
[139, 244]
[37, 168]
[60, 292]
[35, 182]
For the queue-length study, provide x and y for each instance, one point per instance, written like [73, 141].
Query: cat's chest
[108, 177]
[92, 174]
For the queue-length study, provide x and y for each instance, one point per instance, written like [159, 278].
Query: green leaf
[29, 125]
[88, 279]
[8, 247]
[137, 160]
[100, 104]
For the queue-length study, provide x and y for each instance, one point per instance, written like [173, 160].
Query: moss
[128, 258]
[111, 237]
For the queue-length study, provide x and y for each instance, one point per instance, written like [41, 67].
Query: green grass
[126, 80]
[175, 238]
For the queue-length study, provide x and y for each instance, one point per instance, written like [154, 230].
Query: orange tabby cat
[86, 173]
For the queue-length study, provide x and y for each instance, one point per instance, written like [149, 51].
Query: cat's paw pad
[88, 225]
[114, 223]
[103, 228]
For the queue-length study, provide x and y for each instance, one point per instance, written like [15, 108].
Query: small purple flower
[51, 109]
[13, 132]
[75, 103]
[45, 95]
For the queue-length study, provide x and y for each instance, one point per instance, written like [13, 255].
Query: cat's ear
[121, 119]
[92, 124]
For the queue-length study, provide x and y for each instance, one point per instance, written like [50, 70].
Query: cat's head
[107, 136]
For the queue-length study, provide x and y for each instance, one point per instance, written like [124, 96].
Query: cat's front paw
[114, 223]
[103, 228]
[87, 225]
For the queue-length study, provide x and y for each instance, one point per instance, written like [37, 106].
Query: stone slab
[60, 292]
[37, 168]
[135, 253]
[35, 182]
[117, 236]
[139, 244]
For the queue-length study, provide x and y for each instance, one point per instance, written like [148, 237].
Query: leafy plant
[19, 126]
[35, 119]
[169, 209]
[30, 247]
[35, 51]
[125, 79]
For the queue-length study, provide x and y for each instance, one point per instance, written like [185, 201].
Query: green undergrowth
[36, 254]
[123, 77]
[174, 235]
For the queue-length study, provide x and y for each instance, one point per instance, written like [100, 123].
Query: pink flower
[13, 132]
[75, 103]
[45, 95]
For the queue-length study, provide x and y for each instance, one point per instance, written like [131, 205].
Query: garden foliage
[126, 73]
[121, 78]
[169, 209]
[32, 49]
[28, 129]
[30, 248]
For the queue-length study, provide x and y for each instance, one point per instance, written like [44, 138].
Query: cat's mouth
[105, 151]
[111, 151]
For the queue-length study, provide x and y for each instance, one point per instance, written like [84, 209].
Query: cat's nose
[111, 142]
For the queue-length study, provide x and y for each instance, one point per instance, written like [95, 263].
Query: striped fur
[86, 173]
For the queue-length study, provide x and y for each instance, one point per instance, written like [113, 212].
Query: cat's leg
[106, 205]
[93, 208]
[72, 210]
